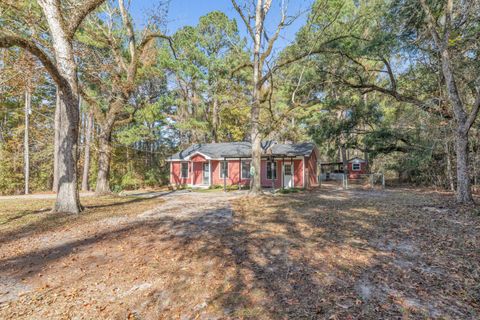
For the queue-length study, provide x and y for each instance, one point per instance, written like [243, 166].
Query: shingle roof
[244, 149]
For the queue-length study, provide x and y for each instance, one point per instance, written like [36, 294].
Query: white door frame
[203, 173]
[292, 176]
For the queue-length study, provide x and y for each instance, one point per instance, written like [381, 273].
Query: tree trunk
[104, 157]
[464, 194]
[255, 112]
[56, 143]
[451, 184]
[26, 154]
[86, 164]
[344, 159]
[67, 196]
[215, 120]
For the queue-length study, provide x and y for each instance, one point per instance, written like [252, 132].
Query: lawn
[401, 253]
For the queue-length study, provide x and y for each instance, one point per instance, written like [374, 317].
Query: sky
[187, 12]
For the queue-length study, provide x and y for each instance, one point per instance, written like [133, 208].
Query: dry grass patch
[310, 255]
[22, 216]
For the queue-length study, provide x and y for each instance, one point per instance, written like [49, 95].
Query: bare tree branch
[274, 38]
[8, 41]
[149, 37]
[473, 114]
[78, 15]
[431, 24]
[244, 18]
[128, 26]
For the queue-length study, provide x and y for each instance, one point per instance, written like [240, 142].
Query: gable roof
[243, 150]
[356, 159]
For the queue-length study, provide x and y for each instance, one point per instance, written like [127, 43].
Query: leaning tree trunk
[67, 196]
[464, 194]
[86, 164]
[104, 158]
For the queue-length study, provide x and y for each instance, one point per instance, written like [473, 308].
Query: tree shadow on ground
[49, 221]
[309, 256]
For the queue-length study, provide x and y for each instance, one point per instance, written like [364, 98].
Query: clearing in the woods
[210, 255]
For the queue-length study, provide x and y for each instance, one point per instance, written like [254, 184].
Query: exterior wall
[298, 173]
[234, 170]
[311, 174]
[195, 174]
[267, 183]
[356, 174]
[198, 158]
[175, 173]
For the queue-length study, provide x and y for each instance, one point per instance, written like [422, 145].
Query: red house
[282, 165]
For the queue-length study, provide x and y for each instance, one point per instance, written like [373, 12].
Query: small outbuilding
[335, 170]
[357, 167]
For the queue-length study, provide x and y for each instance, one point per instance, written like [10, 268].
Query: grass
[22, 216]
[310, 255]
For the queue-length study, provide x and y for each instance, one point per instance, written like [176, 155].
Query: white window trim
[197, 153]
[220, 171]
[292, 167]
[241, 169]
[276, 170]
[359, 167]
[181, 171]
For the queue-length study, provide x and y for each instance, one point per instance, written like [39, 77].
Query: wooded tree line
[101, 102]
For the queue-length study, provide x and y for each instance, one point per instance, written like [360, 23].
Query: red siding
[356, 174]
[197, 172]
[298, 173]
[197, 158]
[267, 182]
[233, 173]
[234, 169]
[311, 171]
[175, 174]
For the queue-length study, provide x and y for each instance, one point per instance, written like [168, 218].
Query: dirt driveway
[311, 255]
[83, 259]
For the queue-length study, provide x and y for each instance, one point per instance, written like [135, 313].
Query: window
[184, 171]
[356, 166]
[288, 169]
[271, 170]
[224, 169]
[245, 169]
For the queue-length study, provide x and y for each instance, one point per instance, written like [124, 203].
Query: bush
[131, 180]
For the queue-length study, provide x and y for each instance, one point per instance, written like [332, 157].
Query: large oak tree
[62, 21]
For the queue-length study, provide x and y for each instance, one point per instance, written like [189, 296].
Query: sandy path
[210, 207]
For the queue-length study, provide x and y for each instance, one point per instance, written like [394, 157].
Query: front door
[288, 175]
[206, 173]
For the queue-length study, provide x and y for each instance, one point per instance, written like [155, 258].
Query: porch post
[191, 172]
[292, 166]
[210, 173]
[303, 175]
[283, 172]
[319, 164]
[239, 173]
[225, 175]
[274, 173]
